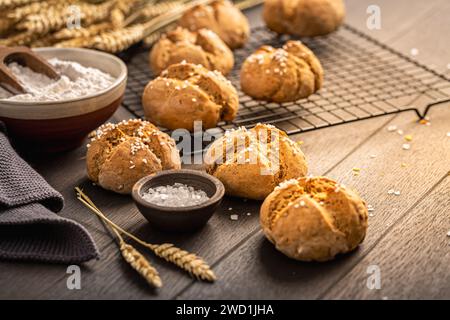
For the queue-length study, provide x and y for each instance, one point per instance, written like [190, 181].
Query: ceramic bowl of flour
[58, 115]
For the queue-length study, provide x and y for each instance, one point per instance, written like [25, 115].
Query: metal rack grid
[363, 79]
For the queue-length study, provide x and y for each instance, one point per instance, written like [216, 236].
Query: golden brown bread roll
[285, 74]
[314, 219]
[199, 47]
[251, 163]
[305, 18]
[223, 18]
[185, 93]
[120, 154]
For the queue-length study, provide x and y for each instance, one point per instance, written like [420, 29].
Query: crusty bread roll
[281, 75]
[305, 18]
[185, 93]
[251, 163]
[199, 47]
[223, 18]
[314, 219]
[120, 154]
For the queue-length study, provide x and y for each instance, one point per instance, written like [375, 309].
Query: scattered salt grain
[392, 128]
[234, 217]
[397, 193]
[448, 233]
[414, 51]
[400, 132]
[177, 195]
[448, 134]
[249, 213]
[406, 146]
[230, 208]
[391, 191]
[373, 156]
[370, 208]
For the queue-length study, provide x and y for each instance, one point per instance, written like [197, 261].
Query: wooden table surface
[407, 236]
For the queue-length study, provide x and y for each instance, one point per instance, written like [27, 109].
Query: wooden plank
[221, 235]
[413, 258]
[110, 278]
[257, 270]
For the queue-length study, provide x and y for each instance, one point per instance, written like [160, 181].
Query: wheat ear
[10, 4]
[189, 262]
[120, 39]
[138, 262]
[66, 33]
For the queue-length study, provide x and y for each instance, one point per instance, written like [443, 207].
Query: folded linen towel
[30, 229]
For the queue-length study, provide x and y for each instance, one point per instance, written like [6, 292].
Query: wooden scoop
[26, 57]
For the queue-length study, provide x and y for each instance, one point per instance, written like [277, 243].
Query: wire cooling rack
[363, 79]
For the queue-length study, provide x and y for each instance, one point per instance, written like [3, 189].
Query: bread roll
[121, 154]
[199, 47]
[223, 18]
[185, 93]
[314, 219]
[305, 18]
[251, 163]
[282, 75]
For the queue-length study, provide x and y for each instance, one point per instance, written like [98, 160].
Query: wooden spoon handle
[25, 57]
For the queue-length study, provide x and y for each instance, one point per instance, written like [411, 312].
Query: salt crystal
[249, 213]
[397, 193]
[234, 217]
[414, 51]
[177, 195]
[406, 146]
[392, 128]
[448, 134]
[400, 132]
[391, 191]
[230, 208]
[448, 233]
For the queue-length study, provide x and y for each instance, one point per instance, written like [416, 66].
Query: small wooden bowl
[179, 218]
[62, 125]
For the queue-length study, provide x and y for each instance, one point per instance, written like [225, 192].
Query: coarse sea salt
[76, 81]
[176, 195]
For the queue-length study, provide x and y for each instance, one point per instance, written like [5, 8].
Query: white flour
[76, 81]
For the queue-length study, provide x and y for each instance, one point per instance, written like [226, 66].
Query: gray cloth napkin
[30, 229]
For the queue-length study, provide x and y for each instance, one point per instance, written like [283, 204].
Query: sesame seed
[132, 167]
[194, 100]
[408, 137]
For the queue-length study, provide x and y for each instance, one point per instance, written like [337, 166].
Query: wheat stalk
[45, 41]
[19, 39]
[54, 19]
[138, 262]
[21, 12]
[9, 4]
[92, 30]
[75, 43]
[189, 262]
[120, 39]
[121, 9]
